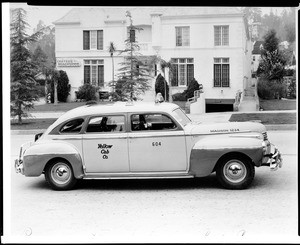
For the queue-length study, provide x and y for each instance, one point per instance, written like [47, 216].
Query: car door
[104, 144]
[156, 143]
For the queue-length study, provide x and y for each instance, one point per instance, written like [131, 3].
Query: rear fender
[38, 155]
[206, 152]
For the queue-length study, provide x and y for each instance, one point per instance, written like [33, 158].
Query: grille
[265, 135]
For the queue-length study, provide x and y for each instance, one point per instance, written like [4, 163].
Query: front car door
[104, 144]
[156, 144]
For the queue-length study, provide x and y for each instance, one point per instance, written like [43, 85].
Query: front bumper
[19, 167]
[273, 160]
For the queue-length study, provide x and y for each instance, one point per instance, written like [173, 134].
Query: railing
[144, 46]
[196, 96]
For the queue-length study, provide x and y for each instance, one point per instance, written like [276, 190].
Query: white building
[210, 44]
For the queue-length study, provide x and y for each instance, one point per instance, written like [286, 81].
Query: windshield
[181, 117]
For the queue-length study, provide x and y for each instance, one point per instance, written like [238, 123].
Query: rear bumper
[273, 160]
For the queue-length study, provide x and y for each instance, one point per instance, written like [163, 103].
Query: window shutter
[132, 35]
[217, 35]
[190, 73]
[225, 35]
[217, 75]
[87, 74]
[101, 76]
[178, 36]
[100, 40]
[225, 75]
[174, 81]
[86, 40]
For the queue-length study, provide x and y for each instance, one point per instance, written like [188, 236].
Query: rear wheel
[235, 172]
[59, 175]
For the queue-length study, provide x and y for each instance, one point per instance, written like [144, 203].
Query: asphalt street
[187, 210]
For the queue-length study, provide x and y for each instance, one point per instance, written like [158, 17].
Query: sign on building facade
[68, 62]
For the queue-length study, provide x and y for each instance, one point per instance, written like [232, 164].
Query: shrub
[87, 92]
[193, 86]
[40, 90]
[160, 86]
[63, 86]
[270, 89]
[292, 88]
[179, 97]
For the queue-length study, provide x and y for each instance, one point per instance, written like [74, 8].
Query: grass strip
[265, 118]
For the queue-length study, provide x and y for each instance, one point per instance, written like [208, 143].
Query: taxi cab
[145, 140]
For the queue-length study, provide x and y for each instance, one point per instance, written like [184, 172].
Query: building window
[221, 35]
[93, 40]
[221, 72]
[183, 71]
[94, 72]
[182, 36]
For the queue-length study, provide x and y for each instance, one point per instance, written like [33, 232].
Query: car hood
[224, 128]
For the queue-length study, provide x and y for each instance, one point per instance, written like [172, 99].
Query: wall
[69, 44]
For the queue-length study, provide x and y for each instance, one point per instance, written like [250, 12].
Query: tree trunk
[113, 72]
[19, 113]
[46, 90]
[55, 92]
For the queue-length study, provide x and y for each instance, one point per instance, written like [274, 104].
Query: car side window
[106, 124]
[157, 121]
[73, 126]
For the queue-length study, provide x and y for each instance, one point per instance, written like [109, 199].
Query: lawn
[265, 118]
[271, 105]
[32, 123]
[61, 106]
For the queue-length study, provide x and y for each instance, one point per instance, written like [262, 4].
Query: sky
[50, 14]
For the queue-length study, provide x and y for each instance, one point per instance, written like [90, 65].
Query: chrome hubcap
[235, 171]
[61, 173]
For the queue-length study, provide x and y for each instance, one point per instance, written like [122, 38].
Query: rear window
[73, 126]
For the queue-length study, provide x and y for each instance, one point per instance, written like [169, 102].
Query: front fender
[207, 151]
[38, 155]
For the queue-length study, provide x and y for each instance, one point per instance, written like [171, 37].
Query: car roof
[116, 107]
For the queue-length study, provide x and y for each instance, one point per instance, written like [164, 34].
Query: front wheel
[59, 175]
[235, 172]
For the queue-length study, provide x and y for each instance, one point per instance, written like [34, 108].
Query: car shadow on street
[148, 184]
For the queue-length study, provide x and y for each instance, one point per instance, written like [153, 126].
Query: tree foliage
[63, 86]
[23, 70]
[46, 42]
[192, 87]
[161, 86]
[272, 64]
[134, 73]
[87, 92]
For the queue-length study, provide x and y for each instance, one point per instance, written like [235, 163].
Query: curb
[269, 127]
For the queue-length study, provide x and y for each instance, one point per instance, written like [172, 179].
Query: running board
[135, 176]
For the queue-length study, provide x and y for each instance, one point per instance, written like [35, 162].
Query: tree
[112, 49]
[192, 87]
[273, 60]
[134, 73]
[23, 85]
[63, 86]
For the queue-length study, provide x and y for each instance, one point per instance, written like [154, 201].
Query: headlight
[265, 147]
